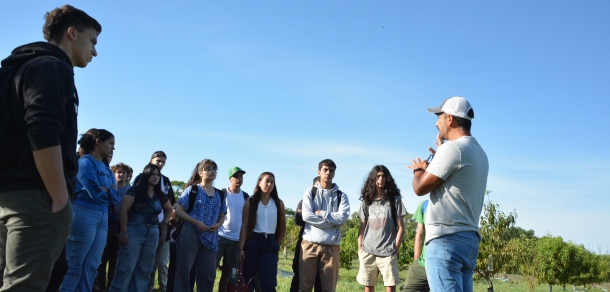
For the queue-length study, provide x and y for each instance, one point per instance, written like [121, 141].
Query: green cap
[235, 170]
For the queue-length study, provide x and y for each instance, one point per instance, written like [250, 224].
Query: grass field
[347, 281]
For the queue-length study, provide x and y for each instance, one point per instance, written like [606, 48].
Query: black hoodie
[46, 87]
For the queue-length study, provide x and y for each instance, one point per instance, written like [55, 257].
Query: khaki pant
[318, 258]
[31, 238]
[372, 265]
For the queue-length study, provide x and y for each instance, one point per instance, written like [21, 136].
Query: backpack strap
[246, 196]
[393, 210]
[223, 194]
[339, 195]
[192, 197]
[314, 192]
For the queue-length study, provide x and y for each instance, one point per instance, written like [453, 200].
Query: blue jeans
[450, 261]
[136, 260]
[84, 248]
[261, 256]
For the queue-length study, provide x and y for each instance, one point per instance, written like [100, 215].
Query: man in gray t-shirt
[456, 179]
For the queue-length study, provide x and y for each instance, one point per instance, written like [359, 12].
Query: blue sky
[280, 85]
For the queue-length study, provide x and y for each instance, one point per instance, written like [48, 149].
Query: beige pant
[320, 258]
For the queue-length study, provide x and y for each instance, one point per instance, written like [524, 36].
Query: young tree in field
[524, 258]
[405, 254]
[604, 268]
[349, 241]
[554, 261]
[493, 254]
[292, 233]
[585, 267]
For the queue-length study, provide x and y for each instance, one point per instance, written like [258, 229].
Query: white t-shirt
[456, 204]
[232, 226]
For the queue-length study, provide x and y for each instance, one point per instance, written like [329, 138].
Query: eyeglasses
[210, 169]
[155, 174]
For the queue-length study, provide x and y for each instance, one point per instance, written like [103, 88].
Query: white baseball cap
[455, 106]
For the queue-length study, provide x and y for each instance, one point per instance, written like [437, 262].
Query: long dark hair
[141, 188]
[87, 141]
[195, 177]
[369, 189]
[256, 197]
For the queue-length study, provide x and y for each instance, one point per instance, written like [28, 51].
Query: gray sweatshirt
[324, 228]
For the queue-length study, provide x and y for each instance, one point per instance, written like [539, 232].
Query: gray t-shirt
[379, 233]
[456, 204]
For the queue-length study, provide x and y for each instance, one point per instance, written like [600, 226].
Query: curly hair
[369, 189]
[121, 166]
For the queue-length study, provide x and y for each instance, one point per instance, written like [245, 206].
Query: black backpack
[12, 115]
[393, 210]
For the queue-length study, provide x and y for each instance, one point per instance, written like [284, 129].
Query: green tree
[554, 261]
[349, 241]
[604, 269]
[585, 266]
[516, 232]
[524, 259]
[292, 233]
[178, 187]
[407, 248]
[493, 254]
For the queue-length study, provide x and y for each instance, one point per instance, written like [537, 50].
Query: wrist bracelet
[418, 169]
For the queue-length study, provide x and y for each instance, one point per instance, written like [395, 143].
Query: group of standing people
[321, 213]
[55, 205]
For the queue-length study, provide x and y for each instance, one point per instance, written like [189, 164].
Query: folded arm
[309, 215]
[88, 178]
[339, 217]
